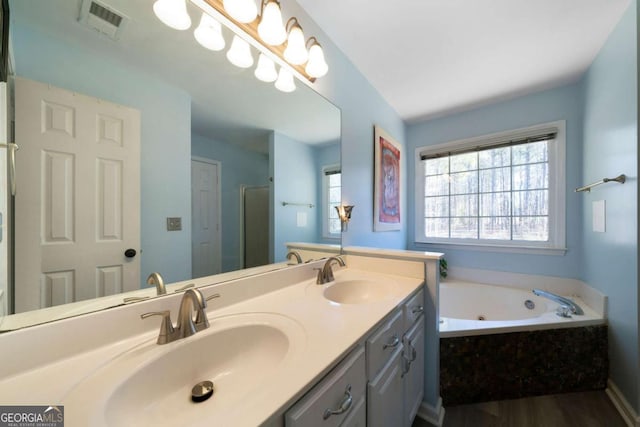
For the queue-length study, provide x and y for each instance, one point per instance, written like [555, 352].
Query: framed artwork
[386, 197]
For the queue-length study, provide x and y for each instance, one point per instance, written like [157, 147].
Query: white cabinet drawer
[413, 308]
[344, 387]
[383, 342]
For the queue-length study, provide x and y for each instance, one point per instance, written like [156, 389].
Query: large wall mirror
[142, 151]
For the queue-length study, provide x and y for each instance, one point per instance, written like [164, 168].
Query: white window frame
[325, 201]
[556, 245]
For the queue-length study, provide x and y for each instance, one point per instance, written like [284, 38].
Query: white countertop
[330, 331]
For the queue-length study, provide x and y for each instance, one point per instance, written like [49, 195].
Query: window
[504, 189]
[331, 198]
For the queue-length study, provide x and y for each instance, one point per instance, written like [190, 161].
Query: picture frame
[387, 174]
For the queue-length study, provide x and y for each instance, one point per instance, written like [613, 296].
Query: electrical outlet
[174, 223]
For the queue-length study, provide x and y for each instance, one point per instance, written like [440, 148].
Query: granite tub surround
[520, 364]
[70, 352]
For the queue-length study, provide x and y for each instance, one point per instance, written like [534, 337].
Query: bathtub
[518, 350]
[468, 308]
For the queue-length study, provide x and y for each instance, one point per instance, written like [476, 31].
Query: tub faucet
[565, 302]
[325, 274]
[192, 301]
[295, 254]
[156, 279]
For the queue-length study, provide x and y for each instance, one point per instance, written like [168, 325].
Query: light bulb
[285, 81]
[244, 11]
[266, 69]
[296, 53]
[316, 66]
[209, 33]
[271, 29]
[240, 53]
[173, 13]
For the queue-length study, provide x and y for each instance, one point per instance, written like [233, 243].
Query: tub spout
[573, 307]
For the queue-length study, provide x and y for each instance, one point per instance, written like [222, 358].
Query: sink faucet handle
[166, 327]
[184, 288]
[210, 297]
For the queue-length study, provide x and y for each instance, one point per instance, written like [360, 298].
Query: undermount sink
[151, 384]
[357, 291]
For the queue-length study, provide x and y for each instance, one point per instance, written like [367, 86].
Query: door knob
[130, 253]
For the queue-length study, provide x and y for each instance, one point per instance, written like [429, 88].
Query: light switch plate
[599, 216]
[174, 223]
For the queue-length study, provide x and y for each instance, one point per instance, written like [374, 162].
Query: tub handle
[393, 343]
[417, 309]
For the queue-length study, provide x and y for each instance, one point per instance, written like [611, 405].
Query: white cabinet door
[385, 395]
[413, 377]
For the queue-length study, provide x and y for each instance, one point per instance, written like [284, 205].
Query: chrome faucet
[156, 279]
[325, 274]
[566, 305]
[295, 254]
[192, 301]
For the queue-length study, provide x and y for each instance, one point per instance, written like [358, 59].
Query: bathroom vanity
[280, 350]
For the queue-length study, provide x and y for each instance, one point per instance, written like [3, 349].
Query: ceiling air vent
[102, 18]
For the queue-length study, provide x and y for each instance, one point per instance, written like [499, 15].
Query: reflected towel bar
[297, 204]
[620, 178]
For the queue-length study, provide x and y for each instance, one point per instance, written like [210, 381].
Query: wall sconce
[344, 213]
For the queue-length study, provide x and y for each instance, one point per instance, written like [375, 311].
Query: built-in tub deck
[520, 348]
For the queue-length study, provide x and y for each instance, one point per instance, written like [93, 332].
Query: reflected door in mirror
[78, 190]
[205, 214]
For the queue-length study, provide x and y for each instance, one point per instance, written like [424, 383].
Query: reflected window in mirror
[332, 184]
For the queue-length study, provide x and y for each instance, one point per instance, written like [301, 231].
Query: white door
[77, 198]
[4, 203]
[205, 217]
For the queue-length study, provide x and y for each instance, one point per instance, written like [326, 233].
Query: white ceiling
[428, 58]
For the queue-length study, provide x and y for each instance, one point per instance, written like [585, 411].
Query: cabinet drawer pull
[345, 405]
[417, 309]
[392, 344]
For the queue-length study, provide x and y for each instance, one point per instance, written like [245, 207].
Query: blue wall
[361, 107]
[610, 259]
[239, 167]
[295, 180]
[165, 177]
[557, 104]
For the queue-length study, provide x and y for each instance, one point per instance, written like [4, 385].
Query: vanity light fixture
[285, 81]
[316, 65]
[239, 54]
[209, 33]
[344, 213]
[282, 45]
[296, 51]
[243, 11]
[266, 69]
[271, 29]
[173, 13]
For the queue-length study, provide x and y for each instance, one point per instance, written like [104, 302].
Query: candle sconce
[344, 213]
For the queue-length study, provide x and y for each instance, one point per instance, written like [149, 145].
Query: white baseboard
[626, 411]
[432, 415]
